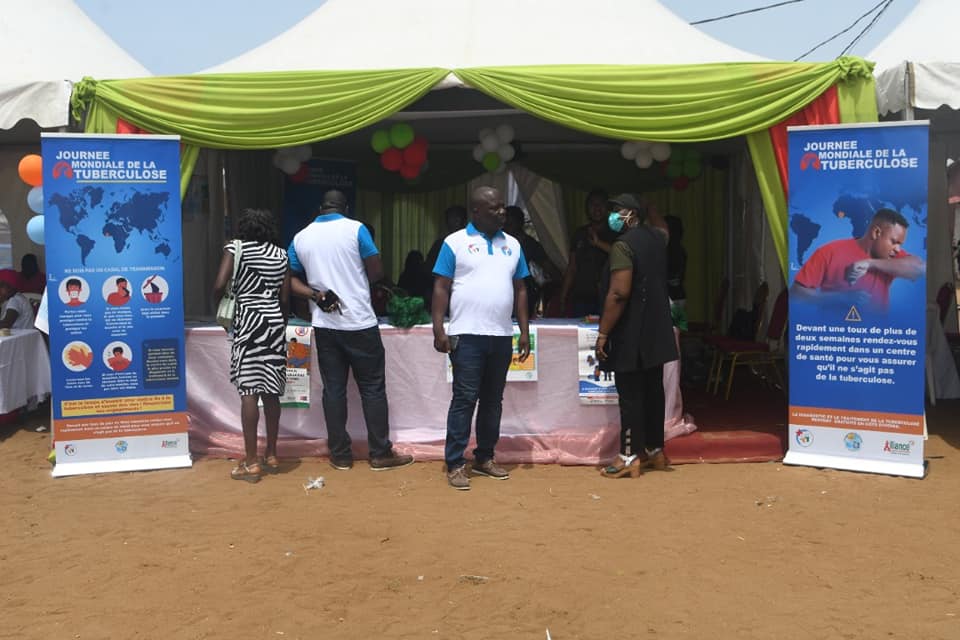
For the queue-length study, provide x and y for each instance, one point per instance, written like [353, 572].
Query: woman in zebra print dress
[258, 357]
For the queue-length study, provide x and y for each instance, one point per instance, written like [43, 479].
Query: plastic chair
[767, 352]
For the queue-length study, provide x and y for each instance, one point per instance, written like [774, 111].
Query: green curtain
[250, 111]
[671, 103]
[403, 222]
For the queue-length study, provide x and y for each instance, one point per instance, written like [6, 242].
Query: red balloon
[680, 183]
[391, 159]
[415, 155]
[409, 172]
[301, 175]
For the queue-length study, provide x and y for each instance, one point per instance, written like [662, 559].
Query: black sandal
[246, 472]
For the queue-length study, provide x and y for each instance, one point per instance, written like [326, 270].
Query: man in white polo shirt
[480, 272]
[333, 260]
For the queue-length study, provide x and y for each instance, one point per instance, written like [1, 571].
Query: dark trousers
[641, 408]
[480, 365]
[362, 351]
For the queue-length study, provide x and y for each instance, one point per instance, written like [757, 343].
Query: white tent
[44, 45]
[372, 34]
[918, 64]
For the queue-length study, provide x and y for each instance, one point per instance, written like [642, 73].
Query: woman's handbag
[228, 303]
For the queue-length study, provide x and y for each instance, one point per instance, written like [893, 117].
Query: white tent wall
[487, 33]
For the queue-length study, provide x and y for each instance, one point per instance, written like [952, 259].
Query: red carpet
[750, 427]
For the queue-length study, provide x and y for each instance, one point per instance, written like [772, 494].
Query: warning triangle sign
[853, 315]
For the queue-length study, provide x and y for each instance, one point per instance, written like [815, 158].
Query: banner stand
[906, 469]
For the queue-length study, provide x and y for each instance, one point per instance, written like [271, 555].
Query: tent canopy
[475, 33]
[918, 64]
[35, 77]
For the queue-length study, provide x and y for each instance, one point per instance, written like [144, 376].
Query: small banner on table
[858, 217]
[596, 386]
[297, 393]
[115, 303]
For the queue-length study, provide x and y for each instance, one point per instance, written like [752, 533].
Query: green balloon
[401, 135]
[674, 170]
[491, 161]
[691, 168]
[380, 141]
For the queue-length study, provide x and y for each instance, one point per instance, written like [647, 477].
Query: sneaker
[458, 478]
[343, 464]
[390, 461]
[491, 469]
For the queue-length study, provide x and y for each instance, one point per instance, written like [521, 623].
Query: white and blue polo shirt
[330, 252]
[483, 269]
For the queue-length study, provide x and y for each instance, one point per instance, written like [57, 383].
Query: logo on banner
[69, 449]
[898, 448]
[169, 444]
[804, 437]
[810, 160]
[62, 170]
[301, 331]
[121, 446]
[852, 441]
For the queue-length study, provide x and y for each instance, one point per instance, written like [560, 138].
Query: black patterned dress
[258, 358]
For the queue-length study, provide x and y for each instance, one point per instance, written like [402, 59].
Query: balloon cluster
[293, 162]
[401, 151]
[494, 150]
[684, 166]
[680, 164]
[645, 153]
[31, 172]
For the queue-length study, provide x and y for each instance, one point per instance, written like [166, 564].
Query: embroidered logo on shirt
[473, 248]
[506, 250]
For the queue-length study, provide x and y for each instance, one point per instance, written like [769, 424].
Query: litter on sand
[313, 483]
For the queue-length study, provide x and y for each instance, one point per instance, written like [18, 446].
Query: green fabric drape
[672, 103]
[251, 111]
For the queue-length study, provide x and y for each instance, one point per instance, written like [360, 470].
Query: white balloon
[500, 168]
[506, 152]
[289, 165]
[660, 151]
[628, 150]
[304, 152]
[485, 133]
[642, 145]
[478, 153]
[644, 159]
[505, 133]
[490, 144]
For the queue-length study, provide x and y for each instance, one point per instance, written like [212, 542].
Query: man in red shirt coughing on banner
[859, 270]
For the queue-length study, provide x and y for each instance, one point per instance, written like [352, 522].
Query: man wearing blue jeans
[479, 275]
[333, 260]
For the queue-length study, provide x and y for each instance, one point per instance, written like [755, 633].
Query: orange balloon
[31, 170]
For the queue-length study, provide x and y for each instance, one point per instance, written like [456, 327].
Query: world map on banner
[857, 211]
[124, 218]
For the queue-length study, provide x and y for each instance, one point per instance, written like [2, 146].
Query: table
[24, 369]
[543, 421]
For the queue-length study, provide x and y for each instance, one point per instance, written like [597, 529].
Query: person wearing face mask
[74, 287]
[635, 338]
[859, 270]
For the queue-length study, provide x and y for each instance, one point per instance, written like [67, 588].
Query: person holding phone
[479, 276]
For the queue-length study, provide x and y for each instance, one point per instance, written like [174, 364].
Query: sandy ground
[706, 551]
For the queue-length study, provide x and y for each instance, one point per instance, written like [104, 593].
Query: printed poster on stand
[857, 253]
[519, 371]
[297, 392]
[115, 302]
[596, 386]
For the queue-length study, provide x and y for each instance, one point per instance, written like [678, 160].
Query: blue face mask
[615, 222]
